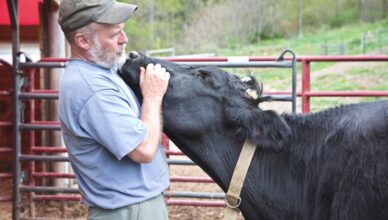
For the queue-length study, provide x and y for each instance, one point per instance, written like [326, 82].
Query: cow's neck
[217, 156]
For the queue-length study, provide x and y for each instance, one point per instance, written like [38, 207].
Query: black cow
[327, 165]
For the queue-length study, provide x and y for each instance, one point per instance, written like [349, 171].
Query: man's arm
[153, 84]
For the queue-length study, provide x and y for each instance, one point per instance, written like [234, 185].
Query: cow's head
[203, 100]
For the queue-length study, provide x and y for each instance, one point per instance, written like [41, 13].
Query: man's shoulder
[87, 76]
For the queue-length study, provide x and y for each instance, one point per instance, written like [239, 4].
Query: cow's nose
[133, 55]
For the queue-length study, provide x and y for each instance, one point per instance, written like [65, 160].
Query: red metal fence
[37, 153]
[306, 93]
[306, 61]
[5, 126]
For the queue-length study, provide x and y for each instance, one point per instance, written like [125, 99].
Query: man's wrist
[152, 99]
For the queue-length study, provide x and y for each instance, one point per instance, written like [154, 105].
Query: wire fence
[368, 41]
[374, 41]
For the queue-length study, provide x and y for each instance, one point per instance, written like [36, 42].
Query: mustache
[121, 49]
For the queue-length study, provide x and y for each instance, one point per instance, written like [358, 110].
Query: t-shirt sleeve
[110, 120]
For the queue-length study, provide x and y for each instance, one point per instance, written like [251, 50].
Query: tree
[361, 10]
[299, 17]
[337, 8]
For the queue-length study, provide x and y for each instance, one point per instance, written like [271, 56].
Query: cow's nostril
[133, 55]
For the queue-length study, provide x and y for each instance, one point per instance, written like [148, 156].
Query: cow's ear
[266, 129]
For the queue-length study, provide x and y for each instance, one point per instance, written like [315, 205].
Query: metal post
[53, 46]
[305, 86]
[294, 82]
[294, 76]
[31, 133]
[13, 14]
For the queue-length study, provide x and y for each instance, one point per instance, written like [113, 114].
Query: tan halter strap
[232, 197]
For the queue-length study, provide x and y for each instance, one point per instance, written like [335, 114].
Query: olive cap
[74, 14]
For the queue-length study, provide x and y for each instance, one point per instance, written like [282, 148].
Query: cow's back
[352, 181]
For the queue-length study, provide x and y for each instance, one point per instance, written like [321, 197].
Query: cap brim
[119, 13]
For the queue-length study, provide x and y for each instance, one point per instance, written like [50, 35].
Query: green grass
[334, 82]
[311, 43]
[373, 77]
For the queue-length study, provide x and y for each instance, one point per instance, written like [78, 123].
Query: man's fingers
[162, 70]
[150, 68]
[153, 70]
[157, 68]
[166, 75]
[142, 72]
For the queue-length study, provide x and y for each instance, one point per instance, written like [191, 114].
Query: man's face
[109, 45]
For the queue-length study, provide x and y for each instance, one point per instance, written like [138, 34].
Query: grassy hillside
[351, 36]
[325, 76]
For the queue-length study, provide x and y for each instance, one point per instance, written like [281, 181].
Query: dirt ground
[53, 209]
[5, 207]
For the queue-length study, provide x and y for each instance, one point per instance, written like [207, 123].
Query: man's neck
[82, 56]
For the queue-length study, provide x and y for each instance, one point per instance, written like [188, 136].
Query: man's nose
[123, 38]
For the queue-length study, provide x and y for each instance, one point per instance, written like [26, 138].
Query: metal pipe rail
[187, 194]
[261, 64]
[306, 93]
[56, 149]
[5, 175]
[50, 126]
[181, 179]
[39, 94]
[6, 150]
[51, 158]
[169, 201]
[177, 202]
[42, 64]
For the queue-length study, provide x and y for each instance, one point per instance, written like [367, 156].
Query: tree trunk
[337, 8]
[300, 18]
[361, 10]
[151, 21]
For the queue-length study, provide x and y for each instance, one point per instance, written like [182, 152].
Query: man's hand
[153, 84]
[153, 81]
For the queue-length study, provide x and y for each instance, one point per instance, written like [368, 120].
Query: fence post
[342, 48]
[305, 86]
[13, 15]
[380, 41]
[363, 42]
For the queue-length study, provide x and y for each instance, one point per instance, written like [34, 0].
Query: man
[113, 146]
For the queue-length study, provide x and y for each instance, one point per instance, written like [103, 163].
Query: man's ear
[82, 41]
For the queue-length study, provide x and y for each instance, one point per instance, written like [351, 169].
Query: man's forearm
[152, 119]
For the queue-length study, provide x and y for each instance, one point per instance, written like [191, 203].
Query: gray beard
[104, 57]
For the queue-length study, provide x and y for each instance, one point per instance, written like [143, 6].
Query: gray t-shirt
[100, 123]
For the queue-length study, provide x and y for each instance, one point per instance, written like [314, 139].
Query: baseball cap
[74, 14]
